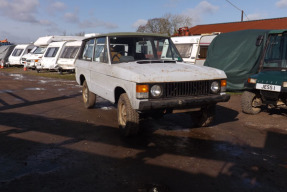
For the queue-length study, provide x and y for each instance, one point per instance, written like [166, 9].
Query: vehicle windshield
[142, 48]
[40, 50]
[276, 52]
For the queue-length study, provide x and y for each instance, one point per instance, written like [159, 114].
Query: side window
[51, 52]
[88, 50]
[69, 52]
[101, 50]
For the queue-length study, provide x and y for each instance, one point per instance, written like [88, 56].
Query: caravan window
[40, 50]
[51, 52]
[70, 52]
[184, 50]
[202, 52]
[17, 52]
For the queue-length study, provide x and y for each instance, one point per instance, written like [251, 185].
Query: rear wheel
[204, 117]
[128, 118]
[251, 103]
[89, 98]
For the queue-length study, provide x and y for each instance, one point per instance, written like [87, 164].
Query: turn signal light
[142, 88]
[223, 83]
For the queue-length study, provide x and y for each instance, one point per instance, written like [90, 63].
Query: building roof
[275, 23]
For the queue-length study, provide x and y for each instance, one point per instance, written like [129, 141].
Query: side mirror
[259, 40]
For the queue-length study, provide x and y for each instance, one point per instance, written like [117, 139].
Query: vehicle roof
[128, 34]
[278, 31]
[73, 43]
[57, 43]
[45, 41]
[23, 46]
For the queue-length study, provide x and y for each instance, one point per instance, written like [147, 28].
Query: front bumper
[183, 103]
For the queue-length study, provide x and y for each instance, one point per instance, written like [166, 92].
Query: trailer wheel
[251, 103]
[128, 118]
[89, 98]
[204, 117]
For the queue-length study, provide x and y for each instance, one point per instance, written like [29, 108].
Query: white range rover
[144, 75]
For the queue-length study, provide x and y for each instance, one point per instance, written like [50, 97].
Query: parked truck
[268, 87]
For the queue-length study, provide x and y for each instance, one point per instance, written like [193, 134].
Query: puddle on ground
[35, 89]
[17, 76]
[6, 91]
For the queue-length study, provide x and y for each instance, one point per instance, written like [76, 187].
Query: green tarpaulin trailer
[237, 54]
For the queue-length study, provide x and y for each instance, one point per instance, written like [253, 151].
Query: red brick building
[275, 23]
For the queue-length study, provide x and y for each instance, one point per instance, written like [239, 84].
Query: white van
[187, 46]
[204, 42]
[67, 58]
[42, 43]
[18, 52]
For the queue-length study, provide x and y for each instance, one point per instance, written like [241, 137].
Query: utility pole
[242, 12]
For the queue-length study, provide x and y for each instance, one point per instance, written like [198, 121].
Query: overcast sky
[24, 21]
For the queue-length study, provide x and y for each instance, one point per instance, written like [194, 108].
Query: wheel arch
[118, 92]
[82, 79]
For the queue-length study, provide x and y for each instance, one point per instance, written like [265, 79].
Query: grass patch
[235, 93]
[20, 70]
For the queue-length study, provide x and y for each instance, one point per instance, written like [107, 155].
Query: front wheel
[89, 98]
[251, 103]
[204, 117]
[128, 118]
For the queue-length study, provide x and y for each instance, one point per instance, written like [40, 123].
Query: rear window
[70, 52]
[51, 51]
[17, 52]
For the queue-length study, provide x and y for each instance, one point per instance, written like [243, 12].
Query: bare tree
[80, 33]
[167, 25]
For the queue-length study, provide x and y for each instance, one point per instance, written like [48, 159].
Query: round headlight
[156, 91]
[215, 86]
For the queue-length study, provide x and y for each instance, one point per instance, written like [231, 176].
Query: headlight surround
[215, 87]
[156, 91]
[285, 84]
[142, 91]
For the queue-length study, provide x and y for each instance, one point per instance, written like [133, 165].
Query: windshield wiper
[155, 61]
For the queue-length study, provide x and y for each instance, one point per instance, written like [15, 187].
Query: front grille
[191, 88]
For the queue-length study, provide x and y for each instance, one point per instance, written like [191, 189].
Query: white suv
[144, 75]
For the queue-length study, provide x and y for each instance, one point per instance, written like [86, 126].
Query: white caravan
[204, 42]
[187, 47]
[50, 57]
[42, 43]
[18, 52]
[66, 61]
[193, 49]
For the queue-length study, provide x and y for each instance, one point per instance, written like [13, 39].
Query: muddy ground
[50, 142]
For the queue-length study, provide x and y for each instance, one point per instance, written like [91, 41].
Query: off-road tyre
[248, 103]
[204, 117]
[128, 118]
[89, 98]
